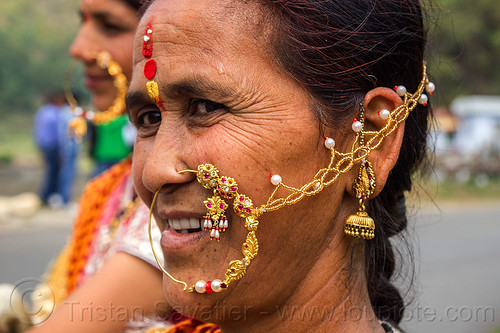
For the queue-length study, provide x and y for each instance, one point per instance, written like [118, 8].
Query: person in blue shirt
[69, 145]
[46, 135]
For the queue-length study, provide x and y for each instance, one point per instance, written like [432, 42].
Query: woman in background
[105, 277]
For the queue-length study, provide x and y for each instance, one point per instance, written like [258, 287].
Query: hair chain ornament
[79, 125]
[340, 163]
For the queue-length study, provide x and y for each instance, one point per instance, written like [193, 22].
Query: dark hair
[339, 50]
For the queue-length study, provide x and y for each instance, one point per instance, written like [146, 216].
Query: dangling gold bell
[360, 225]
[78, 126]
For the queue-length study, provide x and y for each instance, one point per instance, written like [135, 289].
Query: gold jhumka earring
[358, 225]
[78, 125]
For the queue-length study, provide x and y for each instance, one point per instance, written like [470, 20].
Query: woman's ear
[377, 102]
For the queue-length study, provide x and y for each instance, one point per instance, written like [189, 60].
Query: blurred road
[458, 264]
[458, 269]
[27, 245]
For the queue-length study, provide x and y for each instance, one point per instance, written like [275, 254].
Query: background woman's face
[107, 25]
[225, 102]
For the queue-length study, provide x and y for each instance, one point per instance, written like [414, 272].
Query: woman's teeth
[185, 225]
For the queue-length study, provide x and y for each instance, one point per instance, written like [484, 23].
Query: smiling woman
[242, 90]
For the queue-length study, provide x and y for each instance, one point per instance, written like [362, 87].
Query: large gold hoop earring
[243, 206]
[78, 125]
[160, 265]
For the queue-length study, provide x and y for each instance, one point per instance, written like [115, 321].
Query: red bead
[147, 51]
[208, 287]
[150, 69]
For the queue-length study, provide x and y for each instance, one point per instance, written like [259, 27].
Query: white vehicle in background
[467, 139]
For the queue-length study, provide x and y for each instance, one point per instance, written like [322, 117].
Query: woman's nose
[85, 45]
[163, 161]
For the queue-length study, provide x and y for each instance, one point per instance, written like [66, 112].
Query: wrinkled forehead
[203, 23]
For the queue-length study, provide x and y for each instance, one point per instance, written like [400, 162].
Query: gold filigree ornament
[365, 141]
[78, 125]
[361, 224]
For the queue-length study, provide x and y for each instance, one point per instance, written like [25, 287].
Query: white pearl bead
[216, 285]
[423, 99]
[78, 111]
[384, 113]
[357, 126]
[430, 87]
[90, 115]
[401, 90]
[200, 286]
[329, 143]
[146, 38]
[276, 179]
[149, 31]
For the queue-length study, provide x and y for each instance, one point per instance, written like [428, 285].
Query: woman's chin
[101, 102]
[186, 303]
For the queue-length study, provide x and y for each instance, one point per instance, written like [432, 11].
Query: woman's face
[107, 25]
[225, 102]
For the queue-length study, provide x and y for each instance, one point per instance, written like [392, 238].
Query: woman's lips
[93, 82]
[173, 240]
[181, 230]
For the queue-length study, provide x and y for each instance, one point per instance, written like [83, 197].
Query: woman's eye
[111, 28]
[205, 106]
[148, 119]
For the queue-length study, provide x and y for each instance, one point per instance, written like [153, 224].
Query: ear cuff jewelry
[78, 125]
[357, 225]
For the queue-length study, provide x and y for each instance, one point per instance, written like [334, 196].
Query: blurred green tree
[35, 36]
[464, 47]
